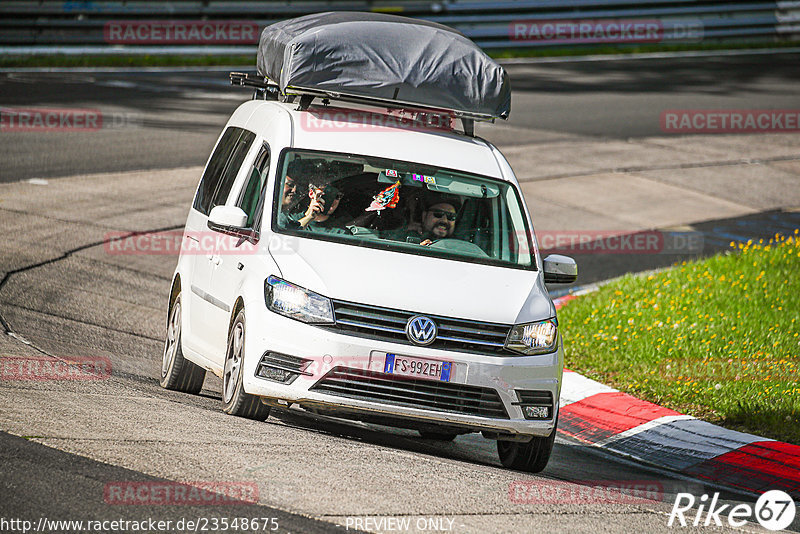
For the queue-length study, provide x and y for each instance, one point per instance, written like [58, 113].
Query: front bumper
[329, 350]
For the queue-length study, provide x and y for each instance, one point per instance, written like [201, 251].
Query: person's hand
[315, 207]
[426, 243]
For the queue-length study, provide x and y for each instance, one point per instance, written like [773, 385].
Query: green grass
[716, 338]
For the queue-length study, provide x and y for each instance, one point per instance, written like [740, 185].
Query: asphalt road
[166, 120]
[623, 99]
[162, 120]
[67, 296]
[41, 482]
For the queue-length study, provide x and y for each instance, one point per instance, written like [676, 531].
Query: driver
[438, 222]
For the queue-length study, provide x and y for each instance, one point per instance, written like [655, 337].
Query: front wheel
[531, 456]
[236, 400]
[177, 372]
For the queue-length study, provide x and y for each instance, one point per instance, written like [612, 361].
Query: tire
[236, 401]
[178, 373]
[531, 457]
[438, 436]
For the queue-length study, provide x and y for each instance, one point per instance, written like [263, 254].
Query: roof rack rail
[263, 89]
[385, 102]
[266, 90]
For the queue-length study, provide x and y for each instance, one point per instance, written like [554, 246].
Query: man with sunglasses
[438, 222]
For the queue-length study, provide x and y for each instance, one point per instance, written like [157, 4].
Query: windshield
[402, 206]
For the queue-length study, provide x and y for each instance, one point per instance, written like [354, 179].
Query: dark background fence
[28, 25]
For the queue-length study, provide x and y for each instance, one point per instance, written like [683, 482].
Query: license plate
[417, 368]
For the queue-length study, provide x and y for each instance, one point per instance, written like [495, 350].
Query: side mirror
[560, 269]
[229, 220]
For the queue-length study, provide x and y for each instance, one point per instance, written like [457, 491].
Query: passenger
[318, 217]
[323, 199]
[290, 197]
[289, 193]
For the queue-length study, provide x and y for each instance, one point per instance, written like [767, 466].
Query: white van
[360, 257]
[356, 265]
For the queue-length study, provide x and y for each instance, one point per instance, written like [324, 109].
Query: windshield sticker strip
[423, 178]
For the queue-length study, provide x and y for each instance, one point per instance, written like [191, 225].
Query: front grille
[389, 325]
[425, 394]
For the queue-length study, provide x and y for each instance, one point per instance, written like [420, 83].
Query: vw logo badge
[421, 330]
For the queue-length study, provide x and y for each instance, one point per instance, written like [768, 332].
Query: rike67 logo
[774, 510]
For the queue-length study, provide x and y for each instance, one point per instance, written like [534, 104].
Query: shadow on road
[713, 237]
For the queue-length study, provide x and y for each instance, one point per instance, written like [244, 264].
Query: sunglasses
[440, 213]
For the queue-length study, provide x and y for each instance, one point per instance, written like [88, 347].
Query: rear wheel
[531, 456]
[237, 402]
[178, 373]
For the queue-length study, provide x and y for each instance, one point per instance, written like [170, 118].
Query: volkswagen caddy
[351, 263]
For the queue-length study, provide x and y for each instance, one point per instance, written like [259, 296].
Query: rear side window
[211, 178]
[229, 175]
[222, 169]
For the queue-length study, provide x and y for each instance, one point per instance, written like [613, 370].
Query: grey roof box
[384, 58]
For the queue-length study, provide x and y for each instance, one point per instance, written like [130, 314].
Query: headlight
[533, 338]
[297, 303]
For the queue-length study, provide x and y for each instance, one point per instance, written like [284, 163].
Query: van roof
[369, 131]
